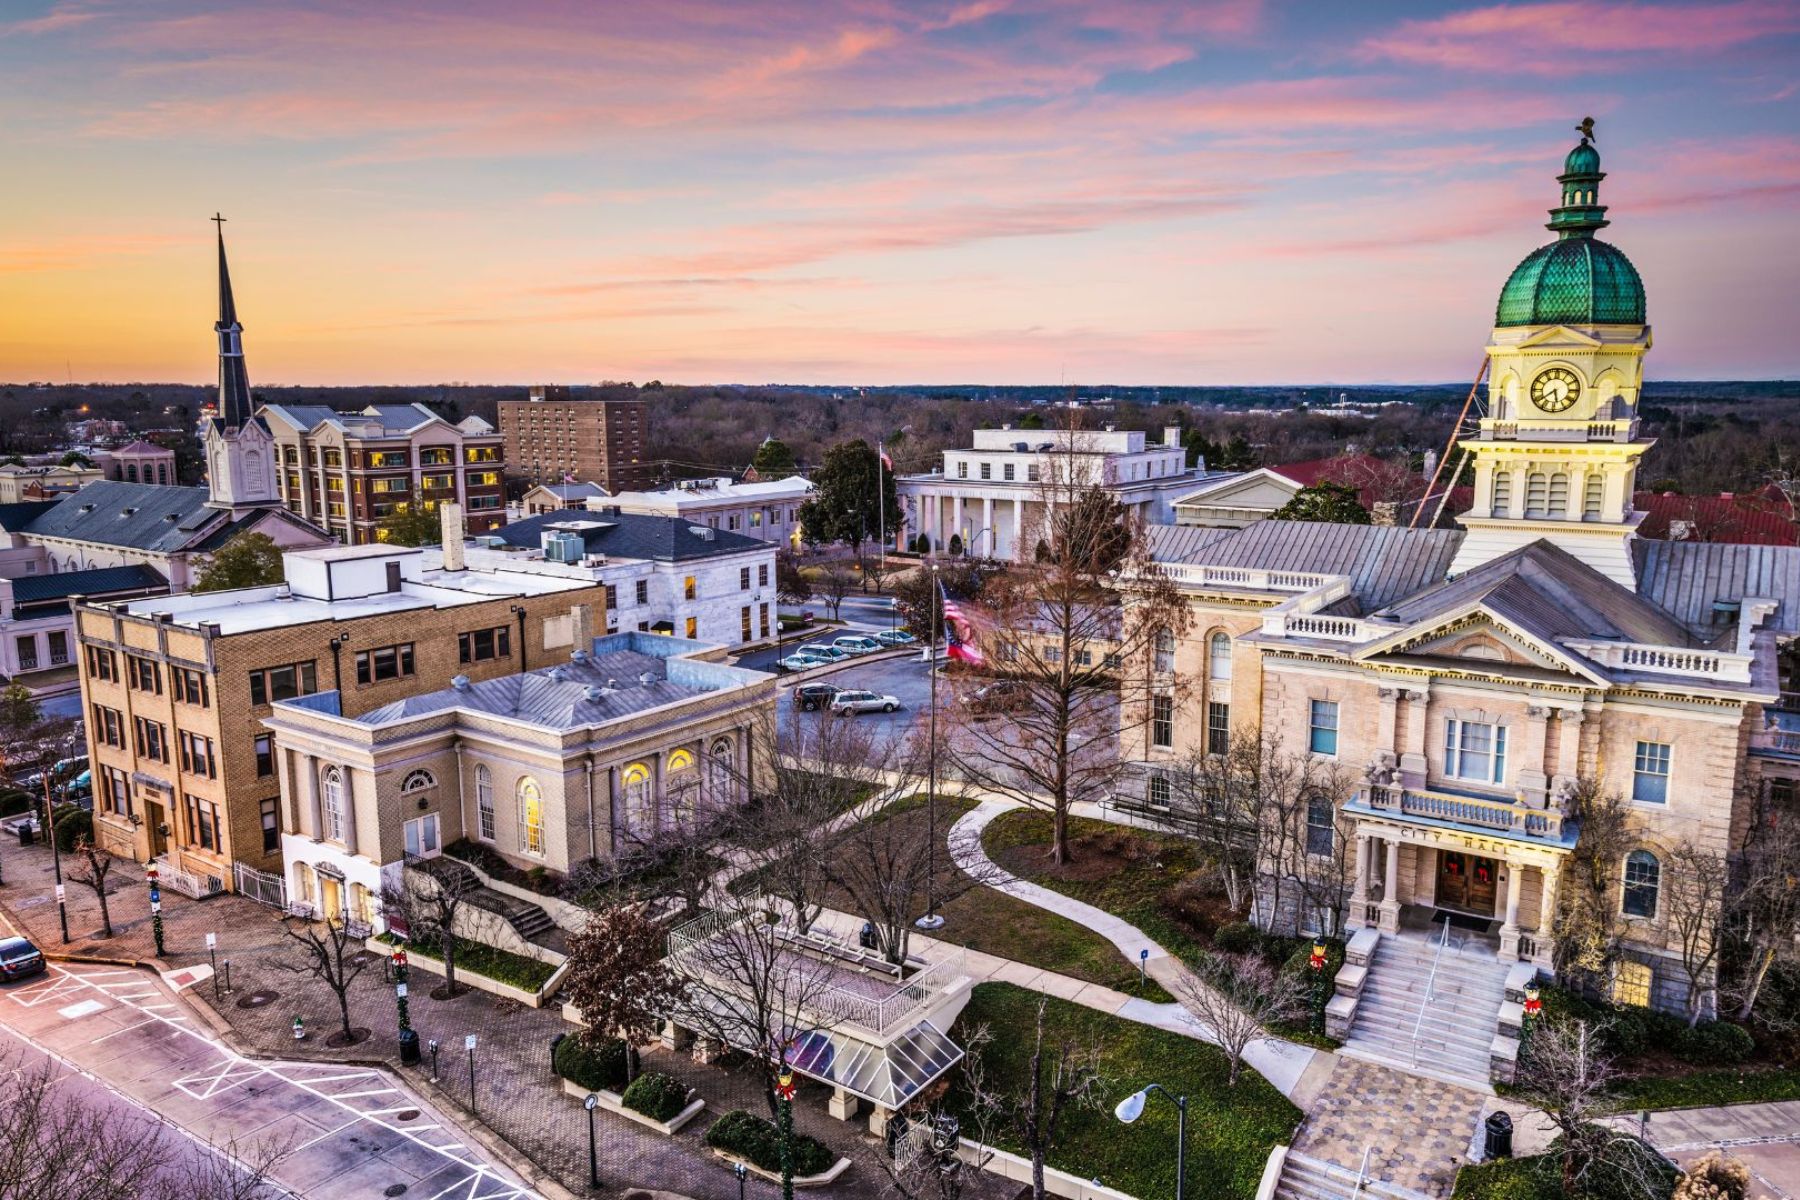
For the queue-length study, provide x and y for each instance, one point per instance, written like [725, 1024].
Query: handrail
[1362, 1174]
[1430, 990]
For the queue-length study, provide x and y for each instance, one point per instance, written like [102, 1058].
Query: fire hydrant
[299, 1029]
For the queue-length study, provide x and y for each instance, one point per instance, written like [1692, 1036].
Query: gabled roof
[631, 535]
[140, 516]
[1384, 562]
[1688, 578]
[14, 518]
[1548, 593]
[140, 446]
[1759, 518]
[573, 491]
[101, 581]
[250, 520]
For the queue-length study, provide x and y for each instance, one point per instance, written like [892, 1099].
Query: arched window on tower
[1537, 494]
[1502, 504]
[1593, 494]
[1559, 495]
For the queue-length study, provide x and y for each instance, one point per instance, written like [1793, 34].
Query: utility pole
[931, 920]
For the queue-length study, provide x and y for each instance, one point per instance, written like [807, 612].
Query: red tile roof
[1761, 518]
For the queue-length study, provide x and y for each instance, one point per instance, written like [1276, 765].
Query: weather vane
[1586, 129]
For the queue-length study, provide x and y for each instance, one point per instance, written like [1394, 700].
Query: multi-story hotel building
[555, 437]
[176, 688]
[349, 472]
[1468, 688]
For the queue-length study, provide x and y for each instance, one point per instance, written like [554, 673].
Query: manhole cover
[395, 1189]
[258, 998]
[411, 1114]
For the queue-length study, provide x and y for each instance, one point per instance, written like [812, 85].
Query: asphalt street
[345, 1131]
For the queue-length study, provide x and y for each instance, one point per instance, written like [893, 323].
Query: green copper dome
[1577, 279]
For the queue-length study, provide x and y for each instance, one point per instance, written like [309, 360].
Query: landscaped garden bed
[514, 971]
[741, 1136]
[1230, 1129]
[655, 1100]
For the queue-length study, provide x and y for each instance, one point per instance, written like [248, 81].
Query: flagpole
[931, 920]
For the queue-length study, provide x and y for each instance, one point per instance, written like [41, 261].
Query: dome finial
[1586, 129]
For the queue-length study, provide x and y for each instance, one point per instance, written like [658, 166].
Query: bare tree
[331, 957]
[1236, 996]
[1095, 670]
[1215, 799]
[433, 897]
[1563, 1072]
[56, 1146]
[1304, 839]
[91, 865]
[1060, 1078]
[746, 984]
[670, 867]
[833, 584]
[231, 1172]
[1766, 911]
[1693, 896]
[927, 1160]
[618, 977]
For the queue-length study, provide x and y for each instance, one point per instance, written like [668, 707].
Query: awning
[666, 628]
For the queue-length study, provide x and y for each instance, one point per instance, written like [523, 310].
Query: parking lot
[901, 676]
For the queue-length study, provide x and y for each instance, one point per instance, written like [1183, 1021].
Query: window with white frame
[1475, 751]
[1218, 657]
[1165, 651]
[422, 836]
[531, 816]
[1650, 773]
[1160, 790]
[1642, 883]
[1162, 722]
[331, 804]
[1322, 727]
[484, 803]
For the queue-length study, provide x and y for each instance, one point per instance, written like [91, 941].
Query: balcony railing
[1250, 579]
[1492, 814]
[1667, 660]
[1537, 430]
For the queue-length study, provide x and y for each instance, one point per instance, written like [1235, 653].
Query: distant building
[349, 472]
[555, 438]
[21, 484]
[139, 462]
[768, 510]
[989, 496]
[37, 631]
[554, 497]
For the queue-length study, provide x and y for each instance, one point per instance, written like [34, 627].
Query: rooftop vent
[593, 692]
[579, 656]
[558, 675]
[127, 512]
[87, 508]
[646, 678]
[612, 685]
[460, 682]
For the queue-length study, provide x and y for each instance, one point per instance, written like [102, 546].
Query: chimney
[581, 620]
[1171, 435]
[451, 522]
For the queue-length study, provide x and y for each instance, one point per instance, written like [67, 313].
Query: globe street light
[591, 1103]
[1132, 1107]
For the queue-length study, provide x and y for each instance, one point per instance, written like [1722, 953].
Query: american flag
[885, 460]
[955, 645]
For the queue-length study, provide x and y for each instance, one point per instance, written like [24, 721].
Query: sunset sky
[987, 191]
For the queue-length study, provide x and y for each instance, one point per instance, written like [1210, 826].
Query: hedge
[478, 958]
[751, 1137]
[14, 803]
[658, 1096]
[72, 827]
[592, 1068]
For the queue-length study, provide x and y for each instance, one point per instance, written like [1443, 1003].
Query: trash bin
[1499, 1137]
[409, 1047]
[866, 939]
[27, 830]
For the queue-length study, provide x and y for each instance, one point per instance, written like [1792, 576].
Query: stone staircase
[1454, 1026]
[528, 920]
[1304, 1178]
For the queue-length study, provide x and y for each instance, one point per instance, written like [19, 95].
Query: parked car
[19, 959]
[800, 662]
[895, 637]
[1002, 695]
[856, 643]
[849, 703]
[812, 696]
[828, 653]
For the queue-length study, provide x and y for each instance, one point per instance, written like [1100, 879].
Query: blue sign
[1144, 954]
[155, 895]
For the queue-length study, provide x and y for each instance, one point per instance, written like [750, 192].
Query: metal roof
[1687, 578]
[141, 516]
[631, 535]
[1383, 562]
[98, 582]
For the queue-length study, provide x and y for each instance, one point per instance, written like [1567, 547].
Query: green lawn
[1705, 1089]
[1508, 1179]
[1230, 1129]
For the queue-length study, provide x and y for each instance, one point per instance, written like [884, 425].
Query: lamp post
[741, 1171]
[784, 1089]
[62, 907]
[156, 926]
[591, 1103]
[409, 1040]
[1132, 1107]
[931, 919]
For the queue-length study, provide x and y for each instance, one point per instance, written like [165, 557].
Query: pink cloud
[1595, 35]
[81, 253]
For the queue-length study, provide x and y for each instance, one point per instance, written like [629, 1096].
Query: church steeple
[234, 381]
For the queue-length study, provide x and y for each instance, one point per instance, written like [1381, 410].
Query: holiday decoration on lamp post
[784, 1089]
[1317, 964]
[156, 928]
[409, 1041]
[1534, 1012]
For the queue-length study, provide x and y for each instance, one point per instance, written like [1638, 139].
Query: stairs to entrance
[528, 920]
[1304, 1178]
[1447, 1035]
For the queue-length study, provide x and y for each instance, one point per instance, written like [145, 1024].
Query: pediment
[1560, 335]
[1484, 641]
[1259, 489]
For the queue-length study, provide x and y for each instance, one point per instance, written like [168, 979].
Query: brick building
[175, 688]
[555, 437]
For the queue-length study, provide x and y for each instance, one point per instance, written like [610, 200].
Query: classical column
[315, 817]
[1018, 545]
[1614, 503]
[1509, 930]
[1568, 750]
[1412, 752]
[1541, 940]
[1577, 492]
[350, 810]
[1386, 721]
[956, 521]
[1390, 894]
[1359, 889]
[987, 523]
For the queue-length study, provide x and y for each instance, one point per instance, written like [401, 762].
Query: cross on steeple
[220, 221]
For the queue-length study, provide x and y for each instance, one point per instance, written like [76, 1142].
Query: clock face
[1555, 389]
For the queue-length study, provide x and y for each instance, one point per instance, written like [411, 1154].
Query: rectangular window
[1650, 773]
[264, 744]
[1475, 751]
[384, 663]
[1323, 727]
[203, 823]
[101, 664]
[962, 470]
[142, 674]
[765, 620]
[388, 458]
[987, 470]
[188, 685]
[117, 790]
[693, 627]
[59, 647]
[480, 645]
[743, 579]
[756, 518]
[435, 456]
[1031, 472]
[762, 575]
[334, 457]
[271, 827]
[399, 484]
[1010, 468]
[689, 590]
[109, 726]
[1218, 727]
[481, 454]
[1160, 791]
[283, 683]
[612, 598]
[152, 739]
[1631, 984]
[744, 622]
[1162, 721]
[437, 482]
[643, 591]
[197, 755]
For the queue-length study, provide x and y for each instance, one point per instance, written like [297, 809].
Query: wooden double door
[1467, 882]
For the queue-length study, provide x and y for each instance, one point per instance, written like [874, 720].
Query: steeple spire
[234, 380]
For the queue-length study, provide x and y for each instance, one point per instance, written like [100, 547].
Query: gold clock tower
[1556, 457]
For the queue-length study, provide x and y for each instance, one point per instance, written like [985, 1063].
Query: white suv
[846, 704]
[857, 644]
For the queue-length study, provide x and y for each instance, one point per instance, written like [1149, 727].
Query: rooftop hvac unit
[564, 547]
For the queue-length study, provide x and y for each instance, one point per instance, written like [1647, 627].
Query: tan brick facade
[556, 439]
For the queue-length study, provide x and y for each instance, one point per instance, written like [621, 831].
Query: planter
[800, 1181]
[474, 979]
[613, 1102]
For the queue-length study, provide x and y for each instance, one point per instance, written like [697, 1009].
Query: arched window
[1502, 504]
[1165, 651]
[1320, 819]
[682, 783]
[1593, 493]
[531, 816]
[1559, 495]
[1218, 656]
[331, 803]
[484, 803]
[418, 781]
[719, 771]
[1643, 879]
[1537, 494]
[635, 782]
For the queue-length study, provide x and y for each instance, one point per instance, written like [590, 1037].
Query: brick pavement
[1419, 1129]
[516, 1095]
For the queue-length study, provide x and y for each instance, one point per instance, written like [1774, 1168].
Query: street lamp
[1132, 1107]
[931, 919]
[469, 1045]
[156, 925]
[741, 1171]
[591, 1103]
[784, 1088]
[409, 1040]
[62, 907]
